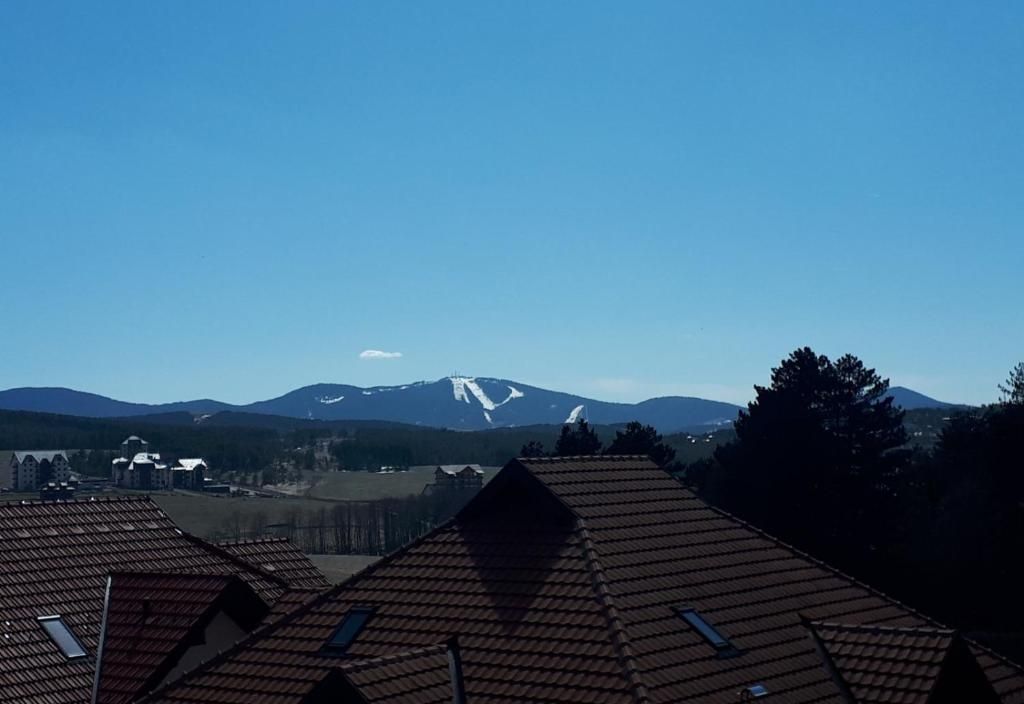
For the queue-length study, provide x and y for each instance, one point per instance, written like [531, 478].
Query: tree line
[582, 439]
[353, 527]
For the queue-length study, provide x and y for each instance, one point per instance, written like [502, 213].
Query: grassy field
[226, 516]
[364, 486]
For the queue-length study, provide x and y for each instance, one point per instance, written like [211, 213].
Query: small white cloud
[379, 354]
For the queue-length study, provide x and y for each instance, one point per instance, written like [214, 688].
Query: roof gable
[40, 455]
[515, 586]
[420, 676]
[912, 665]
[563, 579]
[662, 547]
[55, 559]
[151, 619]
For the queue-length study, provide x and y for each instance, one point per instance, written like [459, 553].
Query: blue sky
[616, 199]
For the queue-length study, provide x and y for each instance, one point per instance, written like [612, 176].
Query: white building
[137, 468]
[30, 469]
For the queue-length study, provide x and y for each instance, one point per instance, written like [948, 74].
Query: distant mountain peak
[910, 400]
[456, 401]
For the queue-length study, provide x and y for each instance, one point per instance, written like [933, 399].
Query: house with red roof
[597, 579]
[105, 600]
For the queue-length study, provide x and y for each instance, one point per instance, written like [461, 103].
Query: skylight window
[756, 691]
[707, 631]
[62, 636]
[348, 630]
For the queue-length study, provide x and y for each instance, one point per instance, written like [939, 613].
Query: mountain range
[457, 402]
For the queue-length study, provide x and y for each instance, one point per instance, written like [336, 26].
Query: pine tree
[579, 439]
[534, 448]
[1013, 390]
[639, 439]
[817, 456]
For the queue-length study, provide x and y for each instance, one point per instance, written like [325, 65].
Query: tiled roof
[39, 455]
[877, 662]
[887, 664]
[518, 593]
[419, 676]
[280, 557]
[151, 618]
[54, 559]
[454, 469]
[191, 462]
[562, 580]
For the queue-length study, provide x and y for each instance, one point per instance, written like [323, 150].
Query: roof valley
[620, 637]
[830, 664]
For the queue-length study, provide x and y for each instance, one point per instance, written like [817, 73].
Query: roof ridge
[816, 561]
[366, 663]
[172, 573]
[221, 552]
[861, 627]
[287, 618]
[579, 458]
[125, 498]
[620, 637]
[253, 541]
[872, 590]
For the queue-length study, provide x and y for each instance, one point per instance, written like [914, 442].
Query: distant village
[138, 467]
[49, 471]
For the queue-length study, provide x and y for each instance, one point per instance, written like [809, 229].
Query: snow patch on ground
[327, 400]
[459, 388]
[513, 392]
[385, 389]
[479, 393]
[463, 386]
[575, 415]
[488, 417]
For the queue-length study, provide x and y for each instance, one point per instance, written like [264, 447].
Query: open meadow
[366, 486]
[231, 517]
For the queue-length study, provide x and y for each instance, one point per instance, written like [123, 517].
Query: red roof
[562, 580]
[280, 557]
[906, 665]
[420, 676]
[54, 560]
[151, 619]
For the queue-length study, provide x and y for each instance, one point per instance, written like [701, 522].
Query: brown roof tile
[152, 618]
[562, 581]
[54, 559]
[419, 676]
[280, 557]
[878, 663]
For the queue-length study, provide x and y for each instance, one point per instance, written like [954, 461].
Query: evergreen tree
[579, 439]
[1013, 389]
[639, 439]
[815, 460]
[534, 448]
